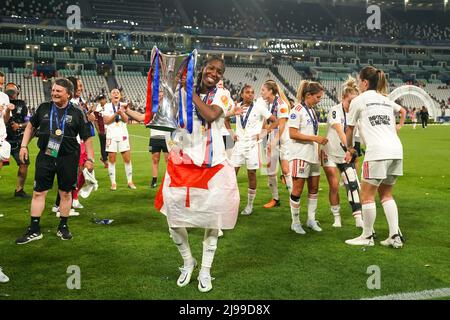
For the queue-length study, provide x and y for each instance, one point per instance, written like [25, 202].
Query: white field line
[415, 295]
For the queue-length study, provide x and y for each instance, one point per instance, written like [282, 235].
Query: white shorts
[281, 152]
[329, 161]
[5, 150]
[303, 169]
[382, 171]
[246, 154]
[117, 146]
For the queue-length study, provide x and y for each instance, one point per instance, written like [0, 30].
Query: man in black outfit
[15, 128]
[424, 117]
[57, 124]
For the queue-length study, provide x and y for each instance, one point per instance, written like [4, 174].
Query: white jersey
[205, 145]
[305, 122]
[251, 121]
[377, 125]
[4, 101]
[333, 148]
[115, 130]
[279, 109]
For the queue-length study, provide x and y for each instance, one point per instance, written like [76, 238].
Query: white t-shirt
[196, 145]
[281, 110]
[115, 130]
[4, 101]
[376, 114]
[255, 119]
[336, 115]
[301, 120]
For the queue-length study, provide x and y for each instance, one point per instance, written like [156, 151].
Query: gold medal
[58, 132]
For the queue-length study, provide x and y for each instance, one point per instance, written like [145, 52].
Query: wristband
[90, 160]
[24, 147]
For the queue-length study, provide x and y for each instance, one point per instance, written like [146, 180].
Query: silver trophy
[165, 75]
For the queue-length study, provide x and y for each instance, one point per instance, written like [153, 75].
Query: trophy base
[161, 128]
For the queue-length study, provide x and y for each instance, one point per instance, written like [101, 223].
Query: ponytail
[306, 87]
[376, 78]
[276, 90]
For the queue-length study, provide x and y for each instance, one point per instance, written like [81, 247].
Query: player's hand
[237, 111]
[23, 154]
[398, 127]
[91, 117]
[321, 140]
[235, 138]
[89, 165]
[11, 106]
[14, 126]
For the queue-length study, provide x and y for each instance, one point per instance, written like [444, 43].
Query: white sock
[129, 171]
[312, 206]
[112, 172]
[273, 186]
[209, 249]
[251, 197]
[288, 179]
[180, 238]
[369, 213]
[391, 212]
[336, 210]
[295, 210]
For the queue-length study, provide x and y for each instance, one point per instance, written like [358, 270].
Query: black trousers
[102, 138]
[424, 122]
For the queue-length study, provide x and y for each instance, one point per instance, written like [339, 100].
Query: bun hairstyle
[306, 87]
[349, 87]
[271, 85]
[376, 78]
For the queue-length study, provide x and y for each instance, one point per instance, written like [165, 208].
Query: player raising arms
[304, 162]
[278, 144]
[200, 188]
[383, 160]
[333, 157]
[248, 133]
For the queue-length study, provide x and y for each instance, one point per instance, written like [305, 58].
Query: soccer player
[117, 139]
[304, 162]
[100, 126]
[383, 160]
[248, 133]
[413, 117]
[58, 124]
[5, 108]
[333, 157]
[278, 144]
[200, 188]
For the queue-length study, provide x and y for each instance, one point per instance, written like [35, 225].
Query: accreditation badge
[53, 145]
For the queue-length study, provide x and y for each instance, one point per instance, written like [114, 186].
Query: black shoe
[21, 194]
[152, 184]
[29, 236]
[64, 233]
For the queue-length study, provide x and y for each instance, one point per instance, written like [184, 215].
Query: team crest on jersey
[293, 116]
[225, 100]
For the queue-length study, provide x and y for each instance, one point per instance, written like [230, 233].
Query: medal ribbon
[63, 119]
[314, 120]
[244, 120]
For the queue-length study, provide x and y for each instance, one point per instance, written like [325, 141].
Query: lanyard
[244, 120]
[274, 109]
[313, 119]
[117, 118]
[345, 119]
[208, 99]
[59, 126]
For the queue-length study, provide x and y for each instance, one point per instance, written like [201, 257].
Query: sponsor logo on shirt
[225, 100]
[380, 119]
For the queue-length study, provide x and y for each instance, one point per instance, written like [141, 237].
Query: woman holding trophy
[200, 188]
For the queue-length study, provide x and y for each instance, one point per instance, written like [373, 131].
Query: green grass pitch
[134, 258]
